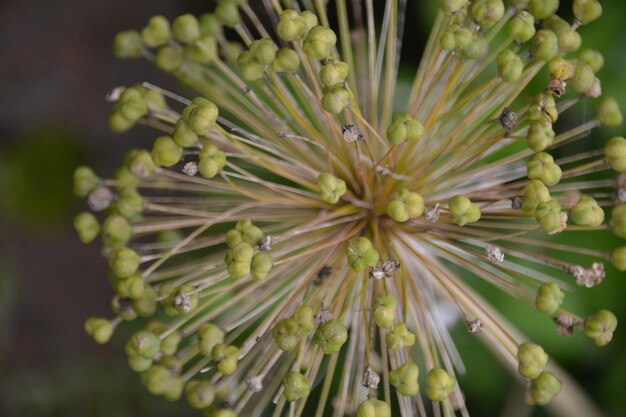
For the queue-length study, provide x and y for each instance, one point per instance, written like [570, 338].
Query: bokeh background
[56, 66]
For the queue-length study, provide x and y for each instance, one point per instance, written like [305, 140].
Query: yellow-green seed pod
[250, 67]
[199, 394]
[244, 231]
[540, 135]
[463, 37]
[129, 204]
[186, 28]
[399, 336]
[136, 362]
[146, 305]
[261, 265]
[561, 69]
[156, 33]
[331, 188]
[586, 11]
[569, 40]
[532, 360]
[303, 315]
[123, 308]
[609, 113]
[447, 41]
[166, 152]
[287, 60]
[116, 231]
[295, 386]
[99, 329]
[131, 287]
[330, 336]
[463, 211]
[534, 194]
[543, 168]
[543, 105]
[144, 344]
[211, 161]
[169, 58]
[584, 78]
[545, 45]
[593, 58]
[203, 51]
[291, 26]
[373, 407]
[549, 216]
[310, 20]
[475, 49]
[85, 181]
[287, 334]
[385, 311]
[119, 124]
[87, 226]
[544, 388]
[333, 72]
[600, 327]
[264, 50]
[439, 384]
[335, 99]
[220, 412]
[510, 66]
[543, 9]
[201, 115]
[228, 13]
[555, 23]
[361, 254]
[140, 163]
[238, 260]
[487, 12]
[404, 379]
[451, 7]
[404, 128]
[183, 135]
[319, 42]
[521, 27]
[615, 153]
[618, 258]
[226, 357]
[549, 298]
[405, 205]
[127, 44]
[210, 25]
[618, 221]
[131, 104]
[587, 212]
[209, 335]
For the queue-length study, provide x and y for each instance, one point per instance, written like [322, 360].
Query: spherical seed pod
[549, 298]
[131, 104]
[561, 69]
[615, 153]
[123, 308]
[600, 327]
[209, 25]
[238, 260]
[199, 394]
[264, 50]
[157, 379]
[510, 66]
[99, 329]
[475, 49]
[543, 106]
[404, 379]
[145, 344]
[384, 311]
[209, 335]
[609, 113]
[439, 384]
[211, 161]
[399, 336]
[183, 135]
[119, 124]
[203, 51]
[543, 168]
[587, 212]
[310, 20]
[544, 388]
[532, 359]
[130, 204]
[125, 180]
[85, 181]
[405, 206]
[261, 265]
[331, 188]
[447, 41]
[291, 26]
[303, 315]
[335, 99]
[618, 221]
[169, 345]
[295, 386]
[586, 11]
[87, 226]
[124, 262]
[250, 67]
[330, 336]
[452, 6]
[146, 305]
[543, 9]
[361, 254]
[220, 412]
[569, 40]
[545, 45]
[521, 27]
[463, 211]
[186, 28]
[287, 60]
[487, 12]
[584, 78]
[287, 334]
[201, 116]
[593, 58]
[116, 231]
[138, 363]
[166, 152]
[228, 13]
[549, 216]
[127, 44]
[534, 194]
[540, 136]
[319, 43]
[140, 163]
[169, 58]
[618, 258]
[156, 33]
[333, 72]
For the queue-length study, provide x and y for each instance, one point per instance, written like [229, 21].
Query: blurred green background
[57, 66]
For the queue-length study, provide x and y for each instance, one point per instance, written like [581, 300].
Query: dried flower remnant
[290, 237]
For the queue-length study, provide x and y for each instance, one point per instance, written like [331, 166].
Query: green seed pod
[220, 412]
[540, 135]
[330, 336]
[549, 298]
[361, 254]
[487, 12]
[201, 115]
[521, 27]
[183, 135]
[199, 394]
[510, 66]
[584, 78]
[291, 26]
[447, 41]
[156, 33]
[439, 384]
[451, 7]
[593, 58]
[586, 11]
[203, 51]
[295, 386]
[331, 188]
[125, 180]
[127, 44]
[210, 25]
[169, 345]
[227, 13]
[618, 221]
[534, 194]
[87, 226]
[463, 211]
[169, 58]
[543, 105]
[251, 68]
[264, 50]
[129, 204]
[85, 181]
[404, 128]
[333, 72]
[156, 379]
[544, 388]
[543, 168]
[238, 260]
[404, 379]
[116, 231]
[286, 334]
[144, 344]
[545, 45]
[569, 40]
[609, 113]
[209, 335]
[287, 60]
[385, 311]
[147, 304]
[226, 357]
[475, 49]
[186, 28]
[310, 20]
[373, 407]
[131, 105]
[211, 161]
[140, 163]
[303, 315]
[335, 99]
[618, 258]
[319, 42]
[399, 336]
[543, 9]
[131, 287]
[561, 69]
[166, 152]
[463, 37]
[100, 329]
[119, 124]
[261, 265]
[587, 212]
[549, 216]
[405, 206]
[138, 363]
[600, 327]
[615, 154]
[123, 308]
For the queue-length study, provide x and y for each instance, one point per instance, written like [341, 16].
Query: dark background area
[56, 67]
